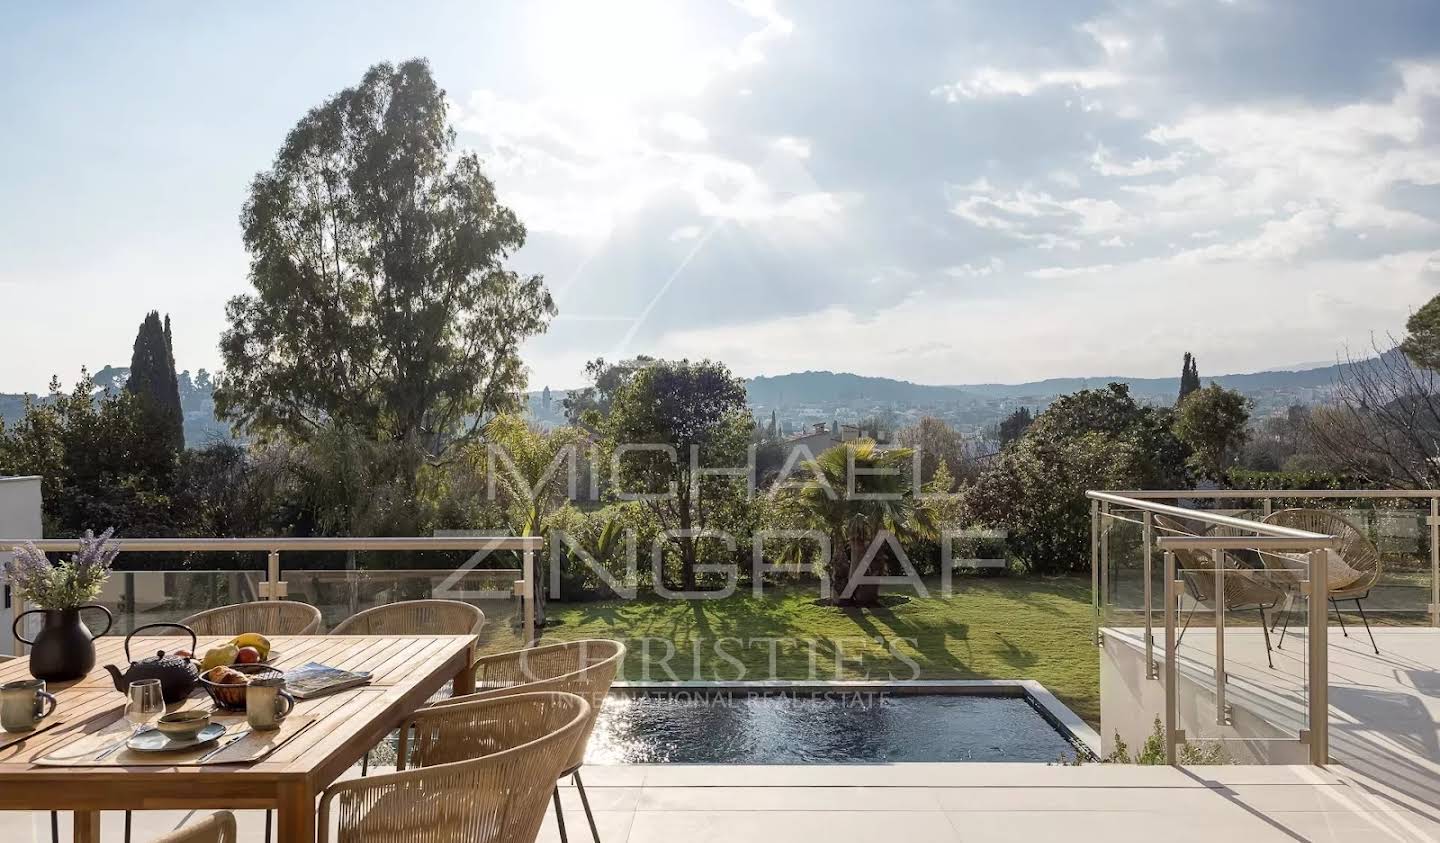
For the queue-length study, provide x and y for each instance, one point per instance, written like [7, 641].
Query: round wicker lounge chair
[1355, 551]
[1242, 593]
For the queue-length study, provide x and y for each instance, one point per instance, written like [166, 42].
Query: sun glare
[626, 50]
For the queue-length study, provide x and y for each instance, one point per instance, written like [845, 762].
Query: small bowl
[183, 725]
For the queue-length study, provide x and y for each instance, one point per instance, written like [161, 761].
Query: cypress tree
[1189, 377]
[153, 380]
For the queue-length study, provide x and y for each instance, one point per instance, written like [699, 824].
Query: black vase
[63, 648]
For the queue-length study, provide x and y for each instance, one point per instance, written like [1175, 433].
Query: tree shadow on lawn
[928, 640]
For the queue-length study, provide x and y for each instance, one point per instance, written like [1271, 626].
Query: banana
[253, 639]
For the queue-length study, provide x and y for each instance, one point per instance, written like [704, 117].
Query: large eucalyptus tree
[382, 303]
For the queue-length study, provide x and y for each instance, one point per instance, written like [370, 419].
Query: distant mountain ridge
[817, 387]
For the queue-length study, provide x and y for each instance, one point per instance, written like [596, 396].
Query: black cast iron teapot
[177, 674]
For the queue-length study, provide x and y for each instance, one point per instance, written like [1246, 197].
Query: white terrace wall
[1129, 704]
[19, 518]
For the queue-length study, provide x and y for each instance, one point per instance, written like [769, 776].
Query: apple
[247, 655]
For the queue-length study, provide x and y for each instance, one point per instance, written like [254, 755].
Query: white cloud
[684, 127]
[1101, 320]
[1103, 162]
[994, 82]
[798, 147]
[976, 270]
[685, 232]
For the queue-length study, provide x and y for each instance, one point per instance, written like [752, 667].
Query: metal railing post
[1150, 671]
[1095, 565]
[1172, 700]
[272, 575]
[1434, 561]
[1319, 660]
[1217, 558]
[528, 577]
[1106, 523]
[1266, 505]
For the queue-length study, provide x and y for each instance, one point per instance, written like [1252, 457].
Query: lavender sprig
[66, 584]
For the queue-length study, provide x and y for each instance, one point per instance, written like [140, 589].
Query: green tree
[1214, 423]
[1093, 439]
[590, 405]
[856, 491]
[1422, 339]
[153, 380]
[1013, 426]
[1189, 377]
[99, 460]
[698, 410]
[938, 444]
[382, 304]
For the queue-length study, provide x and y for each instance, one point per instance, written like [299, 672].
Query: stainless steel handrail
[274, 588]
[1267, 538]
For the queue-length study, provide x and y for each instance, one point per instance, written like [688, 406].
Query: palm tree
[858, 492]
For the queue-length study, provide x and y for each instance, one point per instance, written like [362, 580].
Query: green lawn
[989, 628]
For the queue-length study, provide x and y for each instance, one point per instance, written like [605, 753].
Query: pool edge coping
[1047, 704]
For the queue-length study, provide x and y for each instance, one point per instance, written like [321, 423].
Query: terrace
[1334, 742]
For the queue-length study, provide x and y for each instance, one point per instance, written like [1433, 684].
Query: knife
[224, 746]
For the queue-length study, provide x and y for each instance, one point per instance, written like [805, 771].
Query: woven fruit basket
[231, 696]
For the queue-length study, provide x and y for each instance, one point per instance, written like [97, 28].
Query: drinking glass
[146, 704]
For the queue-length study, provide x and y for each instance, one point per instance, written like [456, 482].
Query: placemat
[249, 747]
[12, 738]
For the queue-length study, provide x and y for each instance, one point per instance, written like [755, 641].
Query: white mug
[267, 704]
[23, 704]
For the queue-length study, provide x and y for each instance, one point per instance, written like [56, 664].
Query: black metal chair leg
[127, 827]
[560, 815]
[1265, 628]
[1284, 628]
[585, 800]
[365, 763]
[1339, 617]
[1367, 625]
[54, 827]
[267, 825]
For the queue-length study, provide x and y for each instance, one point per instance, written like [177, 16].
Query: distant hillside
[830, 387]
[1317, 378]
[823, 388]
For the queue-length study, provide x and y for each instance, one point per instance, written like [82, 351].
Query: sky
[933, 190]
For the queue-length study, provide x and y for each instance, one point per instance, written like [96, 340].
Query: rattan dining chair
[219, 827]
[412, 617]
[267, 617]
[1242, 593]
[586, 667]
[1350, 577]
[493, 767]
[415, 617]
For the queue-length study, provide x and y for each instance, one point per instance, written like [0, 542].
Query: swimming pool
[756, 727]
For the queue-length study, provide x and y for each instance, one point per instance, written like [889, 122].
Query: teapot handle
[194, 642]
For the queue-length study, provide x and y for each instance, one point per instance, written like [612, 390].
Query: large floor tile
[788, 799]
[828, 826]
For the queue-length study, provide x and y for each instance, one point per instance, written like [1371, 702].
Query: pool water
[854, 728]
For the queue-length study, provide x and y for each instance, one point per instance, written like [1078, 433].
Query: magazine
[317, 680]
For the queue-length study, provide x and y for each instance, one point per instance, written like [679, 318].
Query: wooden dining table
[406, 671]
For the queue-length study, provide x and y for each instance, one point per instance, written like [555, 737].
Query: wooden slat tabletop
[406, 670]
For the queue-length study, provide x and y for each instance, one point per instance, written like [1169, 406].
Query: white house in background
[19, 519]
